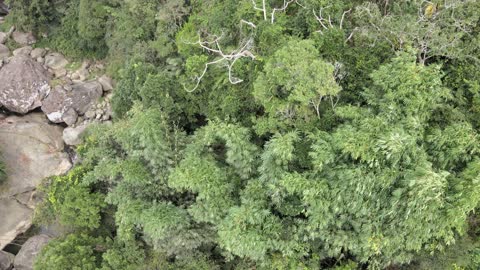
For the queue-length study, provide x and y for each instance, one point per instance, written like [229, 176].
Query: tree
[294, 84]
[75, 251]
[92, 19]
[432, 28]
[33, 15]
[273, 135]
[70, 202]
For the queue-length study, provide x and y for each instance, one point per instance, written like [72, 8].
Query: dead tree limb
[229, 59]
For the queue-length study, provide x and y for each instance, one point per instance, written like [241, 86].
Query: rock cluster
[30, 249]
[39, 77]
[33, 147]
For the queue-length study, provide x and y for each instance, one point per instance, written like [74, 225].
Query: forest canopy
[272, 134]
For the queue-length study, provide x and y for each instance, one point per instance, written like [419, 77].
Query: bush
[33, 15]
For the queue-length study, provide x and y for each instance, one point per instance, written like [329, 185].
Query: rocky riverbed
[46, 103]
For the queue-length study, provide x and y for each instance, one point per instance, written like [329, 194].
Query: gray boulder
[16, 219]
[3, 37]
[70, 117]
[38, 52]
[24, 84]
[59, 104]
[29, 251]
[55, 61]
[6, 260]
[32, 150]
[56, 104]
[73, 135]
[106, 82]
[85, 95]
[4, 51]
[23, 51]
[23, 38]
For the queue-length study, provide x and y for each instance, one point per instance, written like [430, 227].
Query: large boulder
[55, 61]
[32, 150]
[29, 251]
[24, 84]
[3, 37]
[23, 51]
[23, 38]
[38, 52]
[4, 51]
[59, 103]
[73, 135]
[86, 94]
[16, 219]
[6, 260]
[106, 82]
[56, 104]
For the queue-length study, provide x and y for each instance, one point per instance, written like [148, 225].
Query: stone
[6, 260]
[70, 117]
[23, 51]
[75, 76]
[56, 104]
[80, 120]
[106, 82]
[55, 61]
[32, 150]
[29, 251]
[4, 51]
[38, 52]
[3, 37]
[81, 97]
[84, 95]
[85, 64]
[81, 74]
[24, 38]
[73, 135]
[90, 114]
[61, 72]
[67, 81]
[40, 60]
[16, 219]
[108, 96]
[25, 83]
[99, 66]
[68, 87]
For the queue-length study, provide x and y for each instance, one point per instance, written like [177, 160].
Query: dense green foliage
[272, 135]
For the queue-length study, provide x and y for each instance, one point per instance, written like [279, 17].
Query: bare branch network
[326, 23]
[228, 59]
[245, 48]
[264, 10]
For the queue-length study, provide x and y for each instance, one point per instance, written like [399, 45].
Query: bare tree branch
[327, 23]
[343, 17]
[263, 9]
[251, 24]
[229, 59]
[283, 8]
